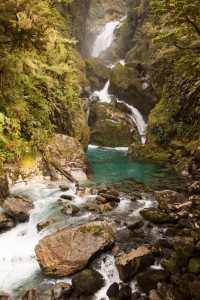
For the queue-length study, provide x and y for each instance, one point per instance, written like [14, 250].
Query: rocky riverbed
[152, 239]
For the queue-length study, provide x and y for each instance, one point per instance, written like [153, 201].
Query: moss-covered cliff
[40, 75]
[165, 39]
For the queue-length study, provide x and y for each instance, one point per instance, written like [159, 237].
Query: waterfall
[136, 115]
[103, 94]
[138, 120]
[105, 38]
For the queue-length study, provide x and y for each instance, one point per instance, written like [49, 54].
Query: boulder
[195, 187]
[113, 290]
[100, 199]
[148, 280]
[6, 222]
[110, 197]
[172, 201]
[97, 73]
[155, 215]
[4, 187]
[125, 83]
[70, 209]
[167, 292]
[30, 295]
[69, 250]
[194, 266]
[60, 291]
[125, 292]
[18, 208]
[105, 208]
[129, 264]
[194, 287]
[134, 224]
[154, 295]
[184, 246]
[5, 296]
[111, 127]
[87, 282]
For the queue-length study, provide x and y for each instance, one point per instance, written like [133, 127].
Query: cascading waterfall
[105, 38]
[103, 94]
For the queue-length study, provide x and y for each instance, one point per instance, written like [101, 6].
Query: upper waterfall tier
[105, 38]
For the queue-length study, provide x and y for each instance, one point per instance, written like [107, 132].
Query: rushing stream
[18, 265]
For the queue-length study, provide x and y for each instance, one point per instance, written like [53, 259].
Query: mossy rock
[125, 83]
[111, 127]
[194, 266]
[149, 151]
[96, 70]
[156, 216]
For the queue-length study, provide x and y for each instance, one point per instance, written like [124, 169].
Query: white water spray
[104, 40]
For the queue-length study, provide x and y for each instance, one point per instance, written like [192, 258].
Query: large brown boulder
[129, 264]
[17, 207]
[69, 250]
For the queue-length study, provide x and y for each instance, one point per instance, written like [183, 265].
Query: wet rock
[194, 266]
[30, 295]
[87, 282]
[134, 224]
[170, 200]
[182, 281]
[157, 250]
[195, 187]
[111, 127]
[113, 290]
[184, 246]
[60, 254]
[60, 290]
[67, 197]
[4, 187]
[100, 199]
[154, 295]
[18, 208]
[105, 208]
[6, 222]
[5, 296]
[91, 205]
[155, 215]
[129, 264]
[64, 187]
[44, 224]
[113, 192]
[167, 292]
[125, 293]
[194, 287]
[135, 296]
[110, 197]
[70, 209]
[148, 280]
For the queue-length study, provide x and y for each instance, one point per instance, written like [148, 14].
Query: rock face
[129, 264]
[125, 83]
[111, 127]
[6, 222]
[18, 208]
[63, 154]
[69, 250]
[87, 282]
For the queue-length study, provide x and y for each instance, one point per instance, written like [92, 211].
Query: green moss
[95, 230]
[28, 161]
[149, 152]
[170, 265]
[194, 266]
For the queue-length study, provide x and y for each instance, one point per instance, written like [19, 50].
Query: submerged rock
[129, 264]
[87, 282]
[18, 208]
[6, 222]
[30, 295]
[69, 250]
[5, 296]
[43, 224]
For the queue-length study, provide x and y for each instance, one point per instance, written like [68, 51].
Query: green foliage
[38, 75]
